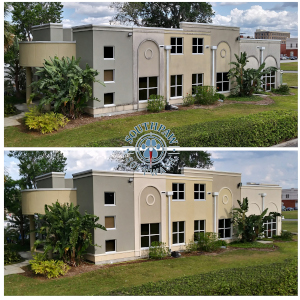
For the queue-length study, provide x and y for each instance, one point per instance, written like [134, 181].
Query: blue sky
[271, 166]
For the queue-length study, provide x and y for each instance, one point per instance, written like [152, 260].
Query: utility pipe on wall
[263, 195]
[168, 48]
[261, 54]
[169, 194]
[213, 48]
[215, 210]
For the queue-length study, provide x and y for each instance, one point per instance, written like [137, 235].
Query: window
[109, 198]
[149, 234]
[197, 46]
[177, 45]
[199, 226]
[222, 82]
[147, 86]
[291, 45]
[199, 191]
[287, 196]
[108, 98]
[224, 228]
[109, 75]
[110, 223]
[178, 232]
[110, 246]
[269, 81]
[109, 52]
[197, 79]
[176, 85]
[270, 228]
[178, 191]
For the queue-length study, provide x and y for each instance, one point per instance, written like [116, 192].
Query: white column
[169, 194]
[263, 195]
[261, 54]
[215, 195]
[168, 48]
[213, 49]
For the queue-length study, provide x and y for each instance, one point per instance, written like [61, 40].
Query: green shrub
[221, 96]
[282, 90]
[158, 250]
[49, 268]
[205, 95]
[9, 109]
[285, 236]
[192, 246]
[188, 100]
[44, 122]
[156, 103]
[11, 256]
[207, 241]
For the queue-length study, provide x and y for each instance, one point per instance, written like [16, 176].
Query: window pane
[196, 187]
[108, 98]
[110, 222]
[109, 198]
[173, 42]
[202, 196]
[179, 41]
[202, 187]
[110, 246]
[173, 49]
[179, 91]
[221, 235]
[274, 225]
[194, 78]
[227, 223]
[152, 92]
[221, 223]
[225, 76]
[174, 187]
[181, 226]
[108, 75]
[200, 78]
[144, 229]
[179, 79]
[175, 238]
[174, 226]
[194, 41]
[202, 225]
[219, 77]
[142, 82]
[144, 241]
[196, 227]
[173, 82]
[200, 41]
[194, 49]
[181, 195]
[173, 93]
[152, 81]
[154, 228]
[108, 52]
[196, 195]
[181, 186]
[154, 238]
[181, 237]
[200, 49]
[227, 233]
[179, 49]
[219, 87]
[143, 95]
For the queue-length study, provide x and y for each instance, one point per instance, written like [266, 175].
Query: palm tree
[8, 35]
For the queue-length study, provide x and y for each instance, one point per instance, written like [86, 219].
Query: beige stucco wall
[34, 201]
[33, 54]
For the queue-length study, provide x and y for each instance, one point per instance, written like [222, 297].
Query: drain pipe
[215, 195]
[169, 194]
[168, 48]
[261, 54]
[213, 48]
[263, 195]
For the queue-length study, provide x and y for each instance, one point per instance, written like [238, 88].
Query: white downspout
[215, 210]
[263, 195]
[262, 54]
[213, 48]
[169, 194]
[168, 48]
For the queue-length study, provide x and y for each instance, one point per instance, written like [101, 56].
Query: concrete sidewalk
[16, 268]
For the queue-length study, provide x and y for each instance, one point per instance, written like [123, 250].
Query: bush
[285, 236]
[158, 250]
[49, 268]
[205, 95]
[44, 122]
[156, 103]
[9, 109]
[192, 246]
[188, 100]
[282, 90]
[207, 241]
[11, 256]
[221, 96]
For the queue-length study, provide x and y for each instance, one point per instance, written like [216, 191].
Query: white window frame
[177, 191]
[115, 246]
[113, 81]
[113, 53]
[178, 232]
[111, 104]
[149, 235]
[223, 228]
[114, 228]
[114, 199]
[176, 45]
[199, 230]
[222, 83]
[197, 83]
[148, 88]
[198, 53]
[200, 192]
[176, 85]
[272, 229]
[264, 81]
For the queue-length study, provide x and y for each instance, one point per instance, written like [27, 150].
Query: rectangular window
[178, 191]
[109, 198]
[222, 82]
[224, 228]
[178, 232]
[197, 79]
[147, 86]
[287, 196]
[197, 46]
[176, 86]
[110, 222]
[110, 246]
[199, 226]
[149, 233]
[109, 52]
[199, 192]
[109, 75]
[269, 81]
[177, 45]
[270, 228]
[108, 98]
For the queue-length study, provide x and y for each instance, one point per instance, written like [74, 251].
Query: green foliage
[282, 90]
[156, 103]
[268, 279]
[50, 268]
[63, 82]
[9, 109]
[188, 100]
[285, 236]
[44, 122]
[158, 250]
[67, 232]
[205, 95]
[249, 227]
[207, 241]
[221, 96]
[11, 256]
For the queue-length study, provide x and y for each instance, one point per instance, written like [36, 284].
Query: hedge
[270, 279]
[263, 129]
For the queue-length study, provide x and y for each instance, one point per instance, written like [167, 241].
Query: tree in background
[161, 14]
[28, 14]
[192, 159]
[8, 30]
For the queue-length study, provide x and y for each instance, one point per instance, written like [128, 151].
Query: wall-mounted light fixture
[129, 33]
[239, 185]
[130, 180]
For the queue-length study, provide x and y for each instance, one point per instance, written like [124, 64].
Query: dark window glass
[181, 195]
[142, 95]
[108, 98]
[201, 196]
[152, 92]
[179, 91]
[196, 187]
[226, 86]
[219, 87]
[227, 223]
[227, 233]
[221, 223]
[181, 186]
[194, 79]
[199, 78]
[196, 225]
[145, 241]
[144, 229]
[173, 81]
[196, 195]
[194, 41]
[108, 52]
[173, 42]
[152, 81]
[179, 49]
[109, 198]
[154, 228]
[154, 238]
[110, 245]
[219, 77]
[143, 82]
[200, 49]
[202, 225]
[175, 238]
[194, 49]
[173, 94]
[221, 235]
[181, 237]
[179, 41]
[179, 79]
[181, 226]
[175, 227]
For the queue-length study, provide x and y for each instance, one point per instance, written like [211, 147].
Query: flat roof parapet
[49, 175]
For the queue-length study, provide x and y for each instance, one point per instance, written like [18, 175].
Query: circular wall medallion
[148, 53]
[223, 53]
[150, 199]
[225, 199]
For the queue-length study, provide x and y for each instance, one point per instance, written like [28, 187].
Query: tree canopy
[161, 14]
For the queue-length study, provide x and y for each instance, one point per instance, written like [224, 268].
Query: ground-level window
[110, 222]
[178, 232]
[110, 246]
[199, 226]
[199, 191]
[178, 191]
[109, 198]
[224, 228]
[109, 75]
[269, 81]
[177, 45]
[147, 86]
[108, 98]
[222, 82]
[149, 233]
[176, 86]
[270, 228]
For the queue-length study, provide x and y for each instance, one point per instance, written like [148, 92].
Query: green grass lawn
[293, 66]
[104, 280]
[290, 214]
[116, 128]
[291, 226]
